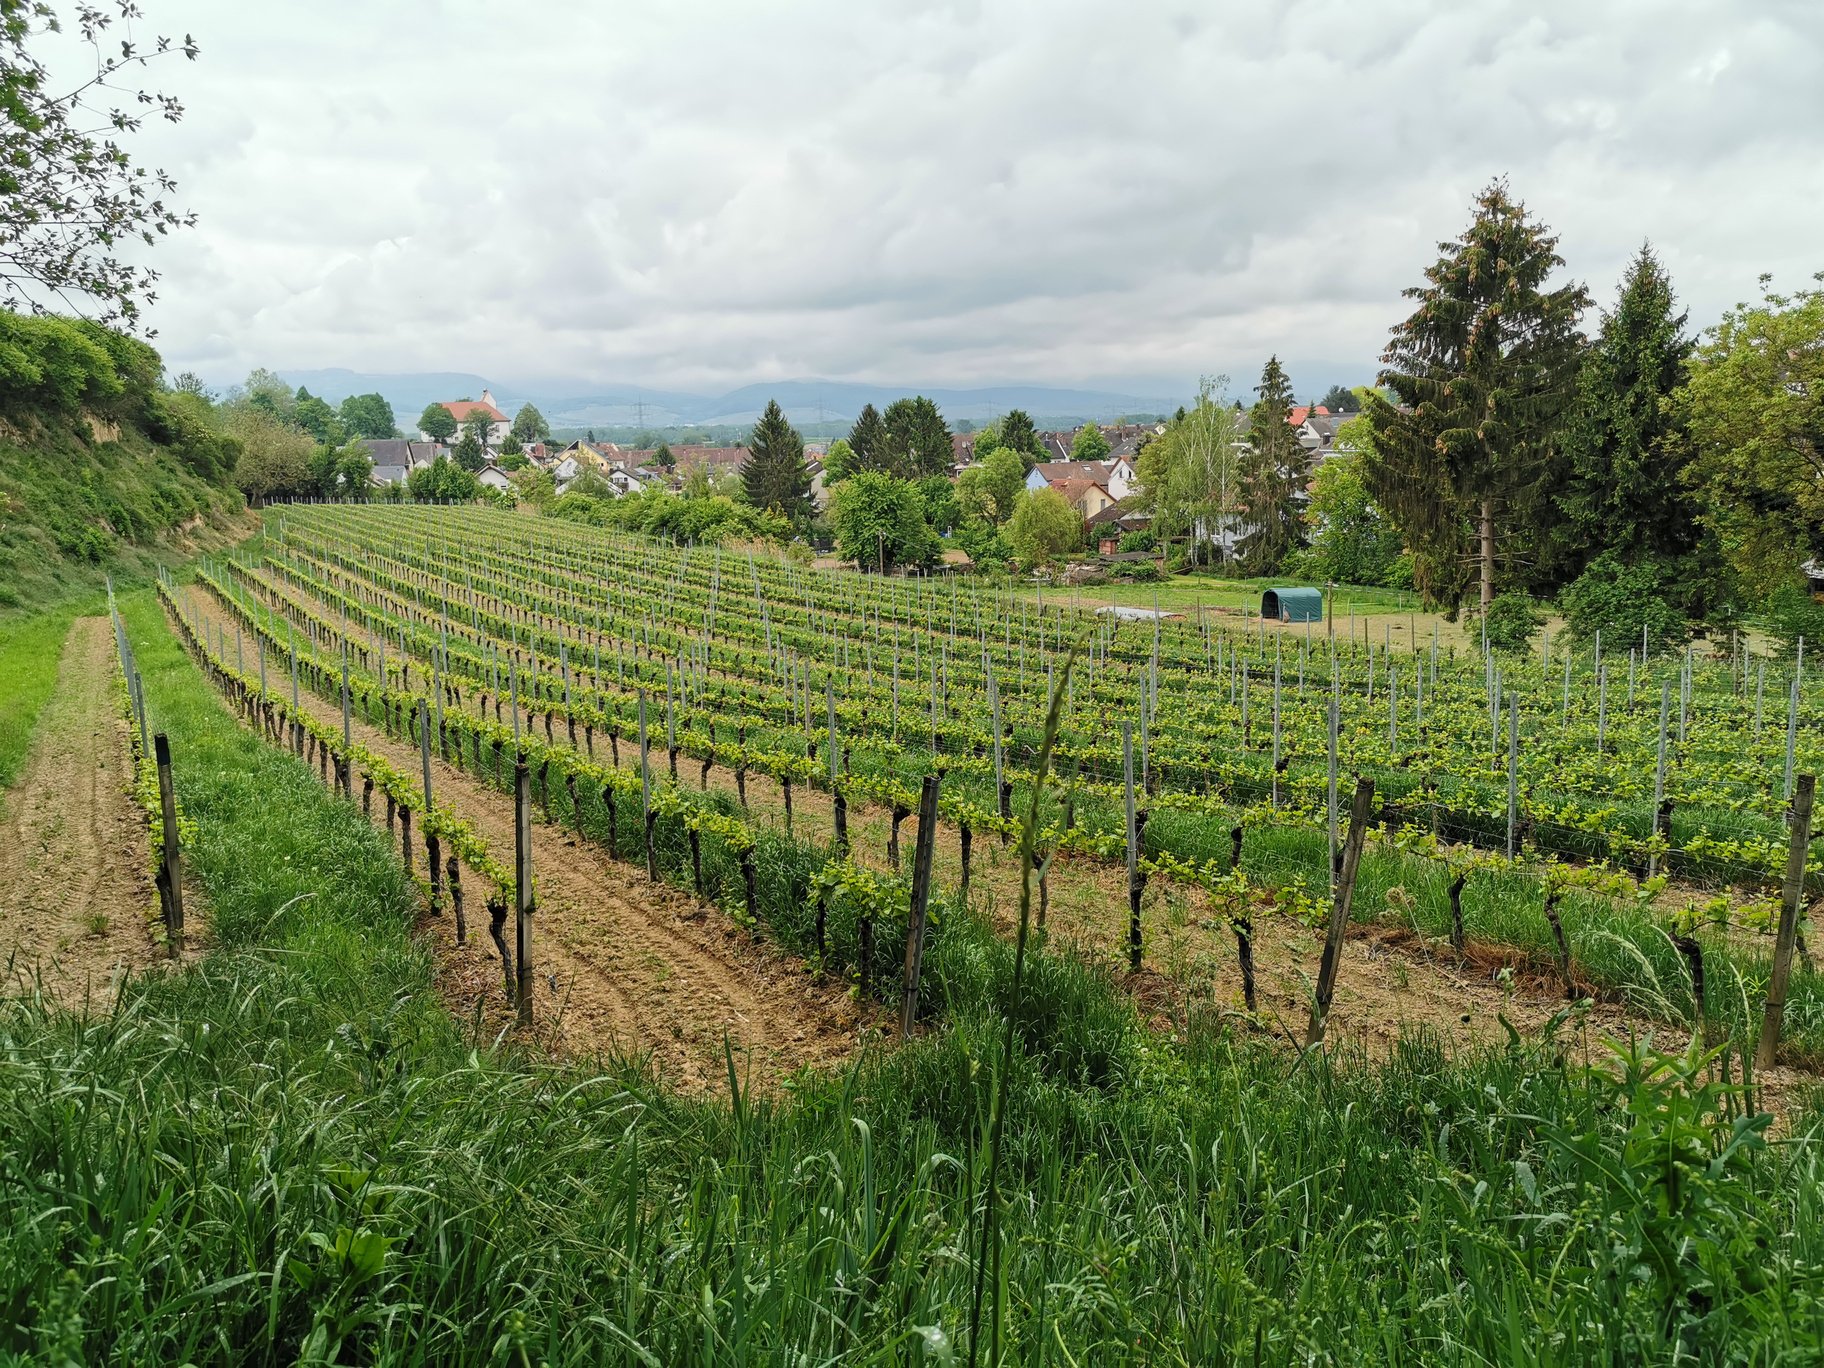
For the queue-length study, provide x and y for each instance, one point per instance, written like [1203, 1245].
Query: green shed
[1293, 605]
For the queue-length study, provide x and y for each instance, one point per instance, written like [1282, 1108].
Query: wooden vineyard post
[1792, 898]
[171, 871]
[838, 802]
[921, 900]
[431, 843]
[1339, 910]
[522, 898]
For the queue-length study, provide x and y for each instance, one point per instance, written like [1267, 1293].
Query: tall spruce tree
[918, 439]
[1624, 449]
[868, 441]
[1019, 434]
[775, 477]
[1483, 372]
[1273, 471]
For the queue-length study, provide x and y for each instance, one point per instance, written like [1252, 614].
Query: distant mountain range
[804, 401]
[583, 404]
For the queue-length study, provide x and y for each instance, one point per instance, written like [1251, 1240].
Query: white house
[499, 425]
[493, 477]
[1116, 474]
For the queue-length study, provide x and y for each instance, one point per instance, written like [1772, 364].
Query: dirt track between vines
[622, 965]
[74, 891]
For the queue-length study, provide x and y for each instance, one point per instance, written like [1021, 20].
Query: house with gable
[499, 425]
[1116, 474]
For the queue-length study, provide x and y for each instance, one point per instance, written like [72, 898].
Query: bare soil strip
[75, 893]
[623, 965]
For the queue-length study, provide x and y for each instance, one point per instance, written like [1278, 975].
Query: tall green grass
[30, 650]
[290, 1153]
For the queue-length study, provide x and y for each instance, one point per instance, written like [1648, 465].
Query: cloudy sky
[703, 193]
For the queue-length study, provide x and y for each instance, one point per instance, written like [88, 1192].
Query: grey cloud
[711, 191]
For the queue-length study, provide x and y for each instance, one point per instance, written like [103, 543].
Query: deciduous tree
[529, 425]
[1044, 526]
[1755, 408]
[367, 415]
[70, 196]
[879, 522]
[1190, 478]
[990, 489]
[437, 423]
[1090, 444]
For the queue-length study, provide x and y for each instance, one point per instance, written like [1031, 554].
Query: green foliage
[317, 418]
[437, 423]
[1273, 470]
[469, 453]
[536, 487]
[708, 520]
[1754, 408]
[1341, 399]
[775, 478]
[1511, 621]
[1142, 540]
[838, 462]
[990, 490]
[867, 442]
[880, 522]
[663, 459]
[917, 439]
[1619, 598]
[58, 365]
[511, 448]
[938, 495]
[1016, 433]
[70, 195]
[1044, 526]
[275, 456]
[1794, 612]
[985, 543]
[514, 460]
[1191, 478]
[478, 427]
[1353, 541]
[1483, 371]
[367, 415]
[1089, 444]
[442, 479]
[529, 425]
[1624, 448]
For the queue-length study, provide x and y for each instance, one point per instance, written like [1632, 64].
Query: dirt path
[622, 965]
[74, 892]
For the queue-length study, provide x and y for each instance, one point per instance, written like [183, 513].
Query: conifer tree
[1483, 372]
[1019, 434]
[868, 441]
[1273, 470]
[1624, 447]
[775, 477]
[918, 439]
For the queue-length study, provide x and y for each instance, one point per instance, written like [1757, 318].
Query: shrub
[1511, 621]
[1621, 600]
[1143, 540]
[1140, 572]
[1793, 613]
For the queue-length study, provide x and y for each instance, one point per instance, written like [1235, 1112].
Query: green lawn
[1184, 593]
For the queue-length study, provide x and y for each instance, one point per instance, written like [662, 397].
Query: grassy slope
[73, 510]
[290, 1153]
[29, 651]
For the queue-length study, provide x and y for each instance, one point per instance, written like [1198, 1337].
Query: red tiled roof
[460, 409]
[1298, 414]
